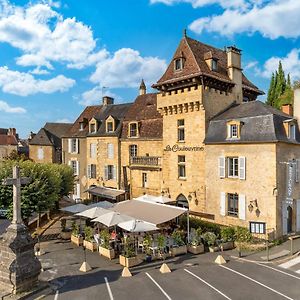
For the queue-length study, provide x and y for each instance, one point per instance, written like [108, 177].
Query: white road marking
[56, 295]
[161, 289]
[288, 274]
[257, 282]
[298, 272]
[111, 297]
[290, 263]
[196, 276]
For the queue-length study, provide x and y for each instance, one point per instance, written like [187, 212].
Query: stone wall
[49, 154]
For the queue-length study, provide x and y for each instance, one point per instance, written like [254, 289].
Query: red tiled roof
[8, 140]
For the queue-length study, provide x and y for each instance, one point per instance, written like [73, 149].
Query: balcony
[145, 162]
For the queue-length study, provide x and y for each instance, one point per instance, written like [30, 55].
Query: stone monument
[19, 267]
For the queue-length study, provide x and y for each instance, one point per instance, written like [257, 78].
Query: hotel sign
[178, 148]
[290, 180]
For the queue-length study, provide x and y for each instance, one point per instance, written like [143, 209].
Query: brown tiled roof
[194, 53]
[88, 113]
[8, 140]
[144, 110]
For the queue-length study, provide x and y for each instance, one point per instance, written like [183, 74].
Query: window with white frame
[110, 172]
[233, 205]
[180, 130]
[81, 126]
[92, 171]
[144, 180]
[40, 153]
[93, 128]
[292, 131]
[233, 167]
[214, 65]
[93, 150]
[133, 129]
[133, 150]
[73, 145]
[233, 131]
[181, 166]
[110, 150]
[109, 126]
[257, 227]
[178, 64]
[74, 164]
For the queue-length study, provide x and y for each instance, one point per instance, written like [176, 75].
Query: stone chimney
[287, 109]
[297, 103]
[234, 69]
[12, 131]
[143, 89]
[106, 100]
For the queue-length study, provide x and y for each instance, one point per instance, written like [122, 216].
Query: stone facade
[43, 154]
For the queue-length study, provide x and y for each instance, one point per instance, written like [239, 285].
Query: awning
[155, 199]
[105, 192]
[102, 204]
[74, 209]
[154, 213]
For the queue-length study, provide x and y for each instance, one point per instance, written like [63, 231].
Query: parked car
[3, 213]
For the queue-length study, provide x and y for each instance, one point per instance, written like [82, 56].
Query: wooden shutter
[110, 151]
[106, 172]
[78, 190]
[298, 215]
[223, 204]
[242, 207]
[114, 172]
[222, 170]
[77, 146]
[89, 171]
[228, 132]
[77, 168]
[70, 145]
[242, 167]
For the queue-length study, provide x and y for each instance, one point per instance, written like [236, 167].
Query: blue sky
[56, 56]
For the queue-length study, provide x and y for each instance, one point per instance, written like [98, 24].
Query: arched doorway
[289, 219]
[181, 201]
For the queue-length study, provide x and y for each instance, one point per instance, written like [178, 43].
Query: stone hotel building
[203, 140]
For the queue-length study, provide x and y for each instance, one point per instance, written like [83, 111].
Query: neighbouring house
[9, 142]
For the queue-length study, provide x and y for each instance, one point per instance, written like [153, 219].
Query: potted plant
[242, 238]
[196, 246]
[105, 248]
[89, 242]
[210, 239]
[179, 246]
[65, 233]
[128, 258]
[76, 238]
[227, 238]
[146, 245]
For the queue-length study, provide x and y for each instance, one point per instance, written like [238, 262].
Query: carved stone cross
[16, 182]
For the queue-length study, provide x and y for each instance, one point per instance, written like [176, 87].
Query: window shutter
[78, 190]
[223, 204]
[106, 172]
[242, 207]
[70, 163]
[77, 168]
[222, 167]
[114, 172]
[70, 145]
[297, 170]
[228, 132]
[298, 215]
[110, 151]
[77, 145]
[89, 171]
[242, 167]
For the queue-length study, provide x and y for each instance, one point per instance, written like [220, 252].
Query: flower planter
[129, 262]
[178, 250]
[109, 253]
[65, 235]
[78, 241]
[148, 258]
[92, 246]
[196, 249]
[213, 249]
[228, 245]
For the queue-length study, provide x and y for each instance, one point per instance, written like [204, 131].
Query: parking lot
[195, 279]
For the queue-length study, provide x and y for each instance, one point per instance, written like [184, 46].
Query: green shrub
[227, 234]
[75, 229]
[242, 235]
[195, 237]
[210, 238]
[147, 243]
[129, 250]
[88, 233]
[177, 238]
[104, 239]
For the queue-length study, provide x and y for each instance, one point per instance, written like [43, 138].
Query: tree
[270, 99]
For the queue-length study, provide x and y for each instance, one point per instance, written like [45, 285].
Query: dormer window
[81, 126]
[93, 128]
[292, 131]
[109, 127]
[133, 129]
[178, 64]
[214, 65]
[233, 130]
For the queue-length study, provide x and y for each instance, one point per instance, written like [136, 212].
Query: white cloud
[24, 84]
[64, 120]
[94, 96]
[5, 107]
[273, 19]
[45, 36]
[290, 64]
[126, 67]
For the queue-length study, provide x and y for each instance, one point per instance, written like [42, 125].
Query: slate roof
[51, 134]
[144, 110]
[194, 52]
[6, 140]
[118, 112]
[260, 123]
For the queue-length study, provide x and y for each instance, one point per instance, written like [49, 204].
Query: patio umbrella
[137, 226]
[93, 212]
[112, 218]
[77, 208]
[102, 204]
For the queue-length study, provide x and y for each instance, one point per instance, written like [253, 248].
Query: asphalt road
[238, 279]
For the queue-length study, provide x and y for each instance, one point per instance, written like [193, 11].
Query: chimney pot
[106, 100]
[287, 109]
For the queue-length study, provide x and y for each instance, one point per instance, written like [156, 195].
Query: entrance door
[289, 219]
[181, 201]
